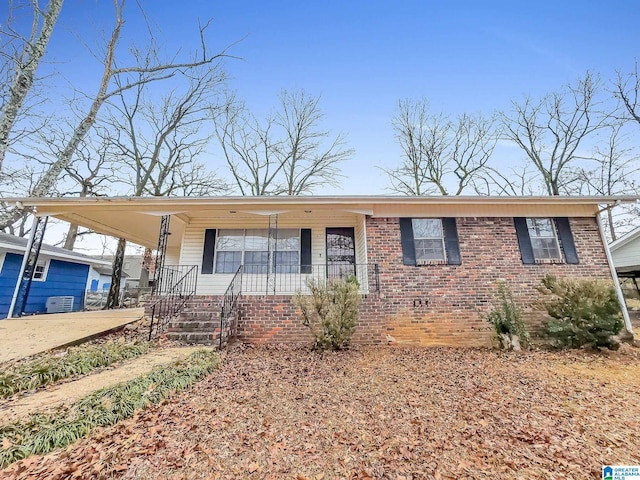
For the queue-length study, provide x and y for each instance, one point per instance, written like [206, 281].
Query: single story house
[100, 276]
[428, 267]
[132, 265]
[58, 273]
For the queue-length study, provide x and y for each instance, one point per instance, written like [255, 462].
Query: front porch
[262, 299]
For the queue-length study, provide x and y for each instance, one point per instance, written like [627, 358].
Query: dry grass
[396, 413]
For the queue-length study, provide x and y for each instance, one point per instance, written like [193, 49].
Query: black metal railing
[291, 279]
[229, 306]
[176, 285]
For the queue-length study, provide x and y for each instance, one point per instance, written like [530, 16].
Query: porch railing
[229, 306]
[291, 279]
[176, 287]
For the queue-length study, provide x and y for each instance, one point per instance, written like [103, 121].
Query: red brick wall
[270, 319]
[456, 298]
[433, 304]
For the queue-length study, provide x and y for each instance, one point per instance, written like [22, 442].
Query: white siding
[172, 257]
[627, 255]
[216, 284]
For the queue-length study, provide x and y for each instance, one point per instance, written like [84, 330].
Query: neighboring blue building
[59, 272]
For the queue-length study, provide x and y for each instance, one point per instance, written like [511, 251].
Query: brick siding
[430, 304]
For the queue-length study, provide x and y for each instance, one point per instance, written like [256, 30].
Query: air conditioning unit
[59, 304]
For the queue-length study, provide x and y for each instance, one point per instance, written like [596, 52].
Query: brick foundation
[432, 304]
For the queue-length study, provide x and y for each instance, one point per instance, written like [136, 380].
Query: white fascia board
[622, 241]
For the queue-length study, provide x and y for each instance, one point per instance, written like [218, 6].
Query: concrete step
[200, 314]
[191, 338]
[191, 325]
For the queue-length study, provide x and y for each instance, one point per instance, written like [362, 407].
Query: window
[428, 237]
[40, 270]
[427, 241]
[250, 247]
[544, 240]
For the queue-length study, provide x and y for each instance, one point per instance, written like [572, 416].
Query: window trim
[451, 242]
[430, 261]
[554, 227]
[564, 235]
[244, 250]
[3, 255]
[45, 271]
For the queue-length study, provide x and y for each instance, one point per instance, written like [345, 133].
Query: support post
[158, 274]
[272, 247]
[28, 267]
[614, 276]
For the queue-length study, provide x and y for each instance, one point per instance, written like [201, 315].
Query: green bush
[330, 311]
[77, 361]
[506, 319]
[584, 313]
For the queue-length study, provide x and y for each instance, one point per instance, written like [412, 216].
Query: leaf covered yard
[392, 413]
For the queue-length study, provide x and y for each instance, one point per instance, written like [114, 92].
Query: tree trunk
[113, 300]
[25, 73]
[612, 229]
[72, 234]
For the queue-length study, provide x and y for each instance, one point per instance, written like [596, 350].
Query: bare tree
[287, 153]
[249, 149]
[612, 170]
[308, 160]
[440, 155]
[92, 172]
[15, 181]
[148, 68]
[627, 90]
[513, 181]
[551, 131]
[161, 141]
[21, 63]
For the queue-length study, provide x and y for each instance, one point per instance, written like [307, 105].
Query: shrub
[330, 311]
[584, 313]
[506, 318]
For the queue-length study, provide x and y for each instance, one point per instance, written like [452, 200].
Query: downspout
[614, 276]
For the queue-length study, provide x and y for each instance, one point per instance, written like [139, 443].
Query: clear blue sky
[361, 57]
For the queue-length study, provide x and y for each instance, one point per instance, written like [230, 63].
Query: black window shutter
[305, 250]
[526, 250]
[208, 250]
[406, 239]
[451, 241]
[566, 239]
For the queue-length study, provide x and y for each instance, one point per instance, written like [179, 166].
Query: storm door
[341, 252]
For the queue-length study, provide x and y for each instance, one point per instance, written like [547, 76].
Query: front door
[341, 252]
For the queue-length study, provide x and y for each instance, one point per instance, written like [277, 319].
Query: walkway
[22, 337]
[19, 407]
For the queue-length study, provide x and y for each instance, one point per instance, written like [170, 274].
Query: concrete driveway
[22, 337]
